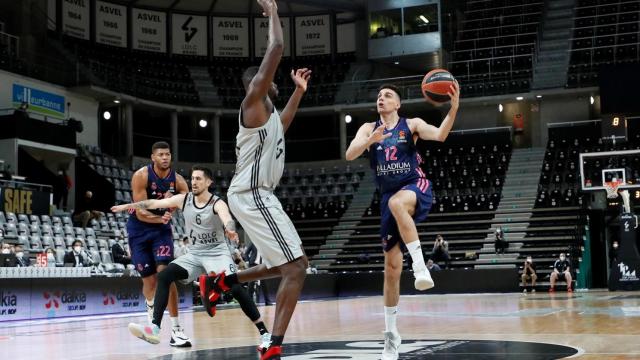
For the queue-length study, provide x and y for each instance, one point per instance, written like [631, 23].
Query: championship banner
[346, 38]
[261, 35]
[39, 101]
[75, 18]
[111, 24]
[313, 35]
[25, 201]
[189, 34]
[149, 30]
[230, 37]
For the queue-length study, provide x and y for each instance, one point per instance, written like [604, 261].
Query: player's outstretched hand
[454, 94]
[378, 135]
[301, 78]
[119, 208]
[268, 7]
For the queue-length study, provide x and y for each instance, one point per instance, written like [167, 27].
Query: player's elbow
[441, 136]
[350, 155]
[276, 47]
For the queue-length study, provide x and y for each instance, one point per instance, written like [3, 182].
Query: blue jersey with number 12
[396, 161]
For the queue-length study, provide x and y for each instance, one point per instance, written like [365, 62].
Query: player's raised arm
[222, 210]
[261, 82]
[300, 78]
[430, 132]
[175, 201]
[364, 138]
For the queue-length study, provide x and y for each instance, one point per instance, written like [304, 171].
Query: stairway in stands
[518, 199]
[348, 222]
[550, 70]
[204, 85]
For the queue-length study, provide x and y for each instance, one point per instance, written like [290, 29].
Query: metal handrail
[602, 25]
[602, 5]
[593, 37]
[504, 16]
[499, 8]
[493, 47]
[491, 58]
[23, 184]
[496, 37]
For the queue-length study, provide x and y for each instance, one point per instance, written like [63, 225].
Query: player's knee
[396, 205]
[165, 276]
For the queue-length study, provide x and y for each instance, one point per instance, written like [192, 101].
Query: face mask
[561, 258]
[529, 260]
[19, 254]
[615, 246]
[6, 251]
[77, 249]
[50, 257]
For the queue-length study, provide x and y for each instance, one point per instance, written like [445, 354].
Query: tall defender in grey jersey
[260, 152]
[209, 225]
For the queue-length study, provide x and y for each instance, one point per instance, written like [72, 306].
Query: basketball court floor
[585, 325]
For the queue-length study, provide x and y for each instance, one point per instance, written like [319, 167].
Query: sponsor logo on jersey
[393, 168]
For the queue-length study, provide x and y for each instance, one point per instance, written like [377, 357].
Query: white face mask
[529, 260]
[19, 254]
[562, 258]
[77, 249]
[50, 256]
[615, 246]
[6, 251]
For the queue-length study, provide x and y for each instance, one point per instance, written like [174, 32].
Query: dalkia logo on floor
[409, 350]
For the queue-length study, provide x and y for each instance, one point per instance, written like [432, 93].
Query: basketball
[435, 85]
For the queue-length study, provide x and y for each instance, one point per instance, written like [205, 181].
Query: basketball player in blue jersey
[150, 235]
[406, 193]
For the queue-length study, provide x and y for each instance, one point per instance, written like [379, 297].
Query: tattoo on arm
[230, 225]
[144, 204]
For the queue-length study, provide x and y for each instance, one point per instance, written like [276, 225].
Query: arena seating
[108, 167]
[146, 75]
[495, 49]
[605, 33]
[327, 75]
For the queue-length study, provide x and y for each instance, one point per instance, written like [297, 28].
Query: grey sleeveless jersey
[260, 154]
[204, 227]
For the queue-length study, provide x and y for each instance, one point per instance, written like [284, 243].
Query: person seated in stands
[51, 257]
[75, 258]
[85, 212]
[562, 272]
[22, 260]
[181, 249]
[529, 273]
[441, 251]
[432, 266]
[613, 253]
[120, 255]
[8, 258]
[501, 243]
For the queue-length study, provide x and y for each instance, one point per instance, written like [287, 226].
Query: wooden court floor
[585, 325]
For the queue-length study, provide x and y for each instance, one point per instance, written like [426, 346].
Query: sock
[390, 314]
[149, 303]
[415, 250]
[277, 340]
[175, 322]
[231, 280]
[262, 328]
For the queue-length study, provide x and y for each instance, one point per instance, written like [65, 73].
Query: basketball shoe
[392, 343]
[423, 278]
[211, 287]
[273, 353]
[178, 338]
[265, 341]
[149, 333]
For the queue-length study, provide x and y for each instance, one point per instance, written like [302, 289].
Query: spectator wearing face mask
[75, 257]
[51, 257]
[22, 260]
[562, 272]
[613, 254]
[529, 273]
[8, 258]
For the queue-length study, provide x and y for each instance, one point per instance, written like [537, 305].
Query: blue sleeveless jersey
[157, 187]
[395, 161]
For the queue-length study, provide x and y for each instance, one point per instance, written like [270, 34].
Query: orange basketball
[435, 85]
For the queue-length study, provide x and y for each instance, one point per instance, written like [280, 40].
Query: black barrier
[319, 286]
[24, 200]
[43, 298]
[625, 270]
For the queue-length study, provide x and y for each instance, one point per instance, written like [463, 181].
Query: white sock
[390, 314]
[415, 250]
[175, 322]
